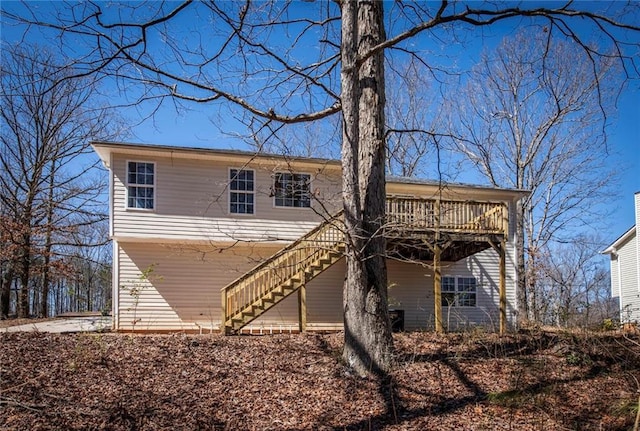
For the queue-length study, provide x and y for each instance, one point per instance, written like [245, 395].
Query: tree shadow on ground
[397, 413]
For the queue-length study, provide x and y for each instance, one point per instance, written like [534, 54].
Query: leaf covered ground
[534, 381]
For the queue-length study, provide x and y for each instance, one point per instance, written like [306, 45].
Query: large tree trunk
[522, 296]
[368, 341]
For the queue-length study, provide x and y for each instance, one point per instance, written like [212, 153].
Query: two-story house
[228, 240]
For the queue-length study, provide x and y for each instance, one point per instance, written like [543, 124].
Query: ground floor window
[458, 292]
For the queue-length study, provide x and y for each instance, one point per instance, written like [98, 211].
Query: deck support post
[437, 275]
[302, 308]
[437, 289]
[223, 311]
[503, 289]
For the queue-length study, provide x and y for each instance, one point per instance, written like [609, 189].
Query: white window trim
[458, 292]
[229, 191]
[273, 179]
[126, 186]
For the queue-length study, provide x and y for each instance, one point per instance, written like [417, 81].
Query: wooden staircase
[249, 296]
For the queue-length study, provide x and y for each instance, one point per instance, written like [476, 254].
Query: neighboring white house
[187, 222]
[625, 270]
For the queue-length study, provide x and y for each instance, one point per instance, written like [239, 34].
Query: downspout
[512, 239]
[115, 281]
[115, 254]
[111, 198]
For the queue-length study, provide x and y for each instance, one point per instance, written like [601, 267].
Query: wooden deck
[415, 228]
[407, 216]
[460, 228]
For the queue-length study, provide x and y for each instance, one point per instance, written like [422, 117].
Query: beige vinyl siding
[184, 287]
[630, 296]
[411, 290]
[151, 226]
[324, 299]
[196, 247]
[192, 203]
[184, 290]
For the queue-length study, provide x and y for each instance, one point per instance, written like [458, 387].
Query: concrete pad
[65, 325]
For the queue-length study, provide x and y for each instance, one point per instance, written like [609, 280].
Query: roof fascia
[618, 242]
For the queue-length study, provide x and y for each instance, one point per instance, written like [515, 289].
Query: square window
[292, 190]
[458, 292]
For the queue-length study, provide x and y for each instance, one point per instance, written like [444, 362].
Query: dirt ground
[473, 381]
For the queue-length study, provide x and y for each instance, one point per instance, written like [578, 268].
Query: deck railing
[408, 213]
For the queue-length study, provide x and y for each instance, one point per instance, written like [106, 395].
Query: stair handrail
[283, 253]
[284, 250]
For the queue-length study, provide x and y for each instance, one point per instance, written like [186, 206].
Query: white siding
[615, 276]
[191, 203]
[637, 248]
[630, 296]
[412, 291]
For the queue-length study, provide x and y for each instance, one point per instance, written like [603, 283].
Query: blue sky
[194, 127]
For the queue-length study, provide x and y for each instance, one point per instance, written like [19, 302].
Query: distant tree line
[53, 239]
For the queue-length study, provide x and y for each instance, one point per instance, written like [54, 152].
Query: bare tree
[47, 119]
[574, 283]
[534, 119]
[412, 127]
[244, 68]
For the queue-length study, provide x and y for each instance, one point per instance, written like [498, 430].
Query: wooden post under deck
[223, 317]
[302, 308]
[503, 288]
[437, 275]
[437, 289]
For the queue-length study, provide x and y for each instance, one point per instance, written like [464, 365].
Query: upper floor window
[241, 191]
[141, 185]
[458, 292]
[292, 190]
